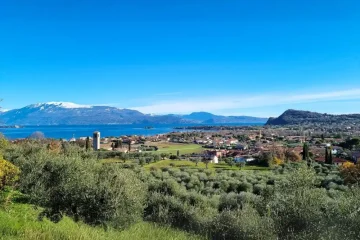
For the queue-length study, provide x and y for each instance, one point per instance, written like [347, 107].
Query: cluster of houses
[219, 146]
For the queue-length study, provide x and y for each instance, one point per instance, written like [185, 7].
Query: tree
[207, 161]
[197, 160]
[178, 153]
[230, 162]
[173, 157]
[240, 164]
[306, 152]
[148, 160]
[156, 158]
[54, 146]
[87, 144]
[37, 135]
[351, 173]
[142, 161]
[9, 173]
[3, 142]
[350, 143]
[328, 155]
[292, 156]
[163, 155]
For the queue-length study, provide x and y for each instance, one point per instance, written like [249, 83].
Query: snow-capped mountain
[59, 104]
[66, 113]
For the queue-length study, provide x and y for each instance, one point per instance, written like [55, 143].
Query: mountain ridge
[67, 113]
[294, 117]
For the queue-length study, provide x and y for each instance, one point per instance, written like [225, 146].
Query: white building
[96, 140]
[215, 159]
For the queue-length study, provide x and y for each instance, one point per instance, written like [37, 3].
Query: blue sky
[228, 57]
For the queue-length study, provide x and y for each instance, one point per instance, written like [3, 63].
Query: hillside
[65, 113]
[294, 117]
[20, 222]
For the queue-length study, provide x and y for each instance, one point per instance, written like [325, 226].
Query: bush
[233, 201]
[9, 174]
[351, 174]
[81, 188]
[245, 187]
[243, 223]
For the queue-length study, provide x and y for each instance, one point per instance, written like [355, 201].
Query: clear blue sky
[228, 57]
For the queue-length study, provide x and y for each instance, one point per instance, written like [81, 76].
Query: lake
[67, 131]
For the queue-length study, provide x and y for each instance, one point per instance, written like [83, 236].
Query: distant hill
[64, 113]
[294, 117]
[208, 118]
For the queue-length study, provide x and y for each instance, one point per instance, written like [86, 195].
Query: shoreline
[68, 131]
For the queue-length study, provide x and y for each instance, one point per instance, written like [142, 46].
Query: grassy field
[172, 148]
[189, 164]
[19, 221]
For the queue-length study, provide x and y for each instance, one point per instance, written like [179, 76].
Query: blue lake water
[66, 132]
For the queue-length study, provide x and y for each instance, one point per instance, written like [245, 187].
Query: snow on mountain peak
[61, 104]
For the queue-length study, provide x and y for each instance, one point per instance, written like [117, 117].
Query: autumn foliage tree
[292, 156]
[351, 173]
[9, 174]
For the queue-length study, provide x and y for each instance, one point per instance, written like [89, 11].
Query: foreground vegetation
[20, 221]
[75, 190]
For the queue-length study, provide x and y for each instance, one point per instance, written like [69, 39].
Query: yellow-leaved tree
[9, 173]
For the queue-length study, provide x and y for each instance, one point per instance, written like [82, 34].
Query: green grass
[172, 148]
[19, 222]
[115, 160]
[189, 164]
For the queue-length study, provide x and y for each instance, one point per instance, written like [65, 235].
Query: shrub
[81, 188]
[243, 223]
[9, 173]
[351, 174]
[232, 201]
[259, 189]
[245, 187]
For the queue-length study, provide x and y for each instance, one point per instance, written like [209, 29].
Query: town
[239, 146]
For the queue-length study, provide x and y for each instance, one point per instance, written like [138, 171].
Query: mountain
[208, 118]
[294, 117]
[65, 113]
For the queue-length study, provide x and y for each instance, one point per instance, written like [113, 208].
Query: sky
[255, 58]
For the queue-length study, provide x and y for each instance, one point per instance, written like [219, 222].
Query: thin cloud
[216, 103]
[168, 94]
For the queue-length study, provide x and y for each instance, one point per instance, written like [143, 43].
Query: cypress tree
[326, 155]
[330, 156]
[87, 144]
[305, 152]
